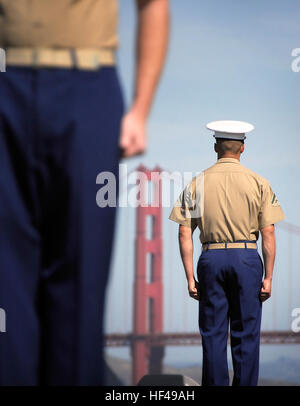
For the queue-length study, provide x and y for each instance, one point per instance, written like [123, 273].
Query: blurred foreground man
[61, 114]
[230, 204]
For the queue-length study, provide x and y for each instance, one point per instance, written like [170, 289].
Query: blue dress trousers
[230, 281]
[59, 128]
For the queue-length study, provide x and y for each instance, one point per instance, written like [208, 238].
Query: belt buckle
[96, 62]
[85, 61]
[35, 57]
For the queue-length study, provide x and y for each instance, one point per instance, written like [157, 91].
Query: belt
[81, 58]
[226, 245]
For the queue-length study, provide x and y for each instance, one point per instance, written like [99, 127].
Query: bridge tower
[148, 285]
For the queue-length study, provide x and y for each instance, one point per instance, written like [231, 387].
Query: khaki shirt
[58, 23]
[228, 202]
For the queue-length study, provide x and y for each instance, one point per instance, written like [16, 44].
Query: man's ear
[216, 147]
[242, 148]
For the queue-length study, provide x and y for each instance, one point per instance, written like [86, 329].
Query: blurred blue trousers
[230, 282]
[59, 128]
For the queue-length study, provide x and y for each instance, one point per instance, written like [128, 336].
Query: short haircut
[228, 145]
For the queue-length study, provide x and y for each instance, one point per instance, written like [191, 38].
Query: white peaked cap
[233, 130]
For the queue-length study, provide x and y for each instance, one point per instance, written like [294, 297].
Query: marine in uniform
[230, 205]
[61, 124]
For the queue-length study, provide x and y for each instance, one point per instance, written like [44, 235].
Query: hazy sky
[226, 60]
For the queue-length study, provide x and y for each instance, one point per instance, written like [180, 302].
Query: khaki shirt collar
[231, 160]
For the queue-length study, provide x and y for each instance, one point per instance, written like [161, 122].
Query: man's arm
[152, 40]
[185, 236]
[269, 252]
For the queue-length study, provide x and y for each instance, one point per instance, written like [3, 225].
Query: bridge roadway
[166, 339]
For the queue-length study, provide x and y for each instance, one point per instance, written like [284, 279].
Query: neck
[237, 156]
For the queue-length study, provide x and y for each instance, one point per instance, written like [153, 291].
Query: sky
[226, 61]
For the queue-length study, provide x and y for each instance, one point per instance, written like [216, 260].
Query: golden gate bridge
[148, 338]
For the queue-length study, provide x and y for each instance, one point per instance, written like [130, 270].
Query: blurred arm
[151, 46]
[152, 36]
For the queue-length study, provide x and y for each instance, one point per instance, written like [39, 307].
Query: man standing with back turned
[61, 124]
[230, 204]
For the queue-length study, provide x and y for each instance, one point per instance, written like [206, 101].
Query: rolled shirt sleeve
[186, 211]
[270, 210]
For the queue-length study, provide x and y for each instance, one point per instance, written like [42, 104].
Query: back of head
[225, 146]
[229, 137]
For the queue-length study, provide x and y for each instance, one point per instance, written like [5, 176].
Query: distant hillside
[283, 367]
[119, 372]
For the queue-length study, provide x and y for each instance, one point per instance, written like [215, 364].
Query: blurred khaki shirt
[228, 202]
[59, 23]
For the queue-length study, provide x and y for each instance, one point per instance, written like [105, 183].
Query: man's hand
[269, 251]
[193, 287]
[133, 135]
[265, 292]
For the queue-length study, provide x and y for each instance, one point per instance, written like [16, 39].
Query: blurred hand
[133, 135]
[194, 291]
[265, 291]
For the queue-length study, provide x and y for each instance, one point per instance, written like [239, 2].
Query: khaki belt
[223, 245]
[83, 58]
